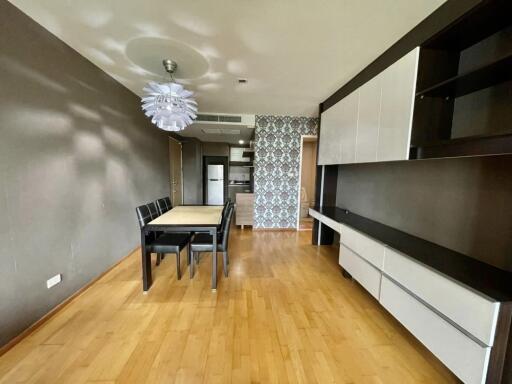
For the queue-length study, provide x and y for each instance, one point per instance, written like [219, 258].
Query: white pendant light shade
[170, 106]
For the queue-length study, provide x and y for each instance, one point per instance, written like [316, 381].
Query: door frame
[181, 170]
[302, 138]
[215, 160]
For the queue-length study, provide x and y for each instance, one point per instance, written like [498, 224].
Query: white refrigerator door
[215, 192]
[215, 172]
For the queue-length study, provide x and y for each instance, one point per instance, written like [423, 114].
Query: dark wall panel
[192, 171]
[463, 204]
[76, 157]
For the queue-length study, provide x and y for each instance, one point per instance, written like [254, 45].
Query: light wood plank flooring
[285, 314]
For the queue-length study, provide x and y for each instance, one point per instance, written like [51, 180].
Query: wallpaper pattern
[276, 168]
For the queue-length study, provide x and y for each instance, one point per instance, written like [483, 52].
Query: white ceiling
[294, 53]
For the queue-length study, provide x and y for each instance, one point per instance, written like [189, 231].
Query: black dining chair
[153, 211]
[203, 242]
[163, 205]
[162, 243]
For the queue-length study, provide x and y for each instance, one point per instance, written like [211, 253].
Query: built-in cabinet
[374, 122]
[433, 307]
[448, 97]
[329, 145]
[398, 83]
[368, 121]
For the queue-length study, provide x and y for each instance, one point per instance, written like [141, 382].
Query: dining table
[183, 218]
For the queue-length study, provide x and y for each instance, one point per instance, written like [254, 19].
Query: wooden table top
[191, 215]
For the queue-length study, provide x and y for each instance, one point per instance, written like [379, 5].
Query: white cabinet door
[397, 101]
[450, 298]
[348, 127]
[464, 357]
[365, 247]
[368, 121]
[362, 271]
[329, 151]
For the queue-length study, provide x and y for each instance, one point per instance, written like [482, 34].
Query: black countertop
[487, 279]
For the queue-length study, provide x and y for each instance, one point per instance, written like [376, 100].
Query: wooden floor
[285, 314]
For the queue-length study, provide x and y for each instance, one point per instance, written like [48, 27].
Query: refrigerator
[215, 188]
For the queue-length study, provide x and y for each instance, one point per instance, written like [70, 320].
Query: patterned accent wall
[276, 169]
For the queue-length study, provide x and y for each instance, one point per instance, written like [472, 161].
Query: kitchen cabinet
[233, 190]
[236, 155]
[244, 209]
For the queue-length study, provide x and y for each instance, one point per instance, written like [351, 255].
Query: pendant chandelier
[170, 106]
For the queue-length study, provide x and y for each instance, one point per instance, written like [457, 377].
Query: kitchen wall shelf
[240, 163]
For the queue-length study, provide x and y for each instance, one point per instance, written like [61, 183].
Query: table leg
[214, 260]
[147, 278]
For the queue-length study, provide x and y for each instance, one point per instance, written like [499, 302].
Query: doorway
[307, 171]
[175, 172]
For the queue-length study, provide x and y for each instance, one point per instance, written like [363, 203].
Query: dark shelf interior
[464, 146]
[464, 87]
[485, 76]
[481, 22]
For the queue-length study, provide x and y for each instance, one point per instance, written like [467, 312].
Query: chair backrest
[225, 209]
[162, 205]
[143, 215]
[225, 212]
[168, 202]
[153, 210]
[226, 227]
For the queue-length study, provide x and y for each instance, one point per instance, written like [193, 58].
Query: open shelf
[240, 163]
[482, 21]
[464, 86]
[464, 146]
[249, 152]
[484, 76]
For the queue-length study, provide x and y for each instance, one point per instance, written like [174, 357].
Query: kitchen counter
[477, 275]
[233, 189]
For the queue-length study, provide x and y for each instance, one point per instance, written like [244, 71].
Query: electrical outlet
[53, 281]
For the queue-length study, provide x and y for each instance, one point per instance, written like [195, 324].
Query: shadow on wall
[76, 156]
[276, 168]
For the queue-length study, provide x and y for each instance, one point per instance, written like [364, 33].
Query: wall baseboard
[32, 328]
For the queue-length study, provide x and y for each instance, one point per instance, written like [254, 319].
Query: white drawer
[476, 314]
[365, 274]
[370, 250]
[463, 356]
[325, 220]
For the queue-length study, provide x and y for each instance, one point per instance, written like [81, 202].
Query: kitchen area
[241, 183]
[212, 172]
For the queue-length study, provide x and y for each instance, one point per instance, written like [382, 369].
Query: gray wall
[463, 204]
[192, 171]
[76, 157]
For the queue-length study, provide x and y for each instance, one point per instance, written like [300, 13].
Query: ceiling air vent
[227, 119]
